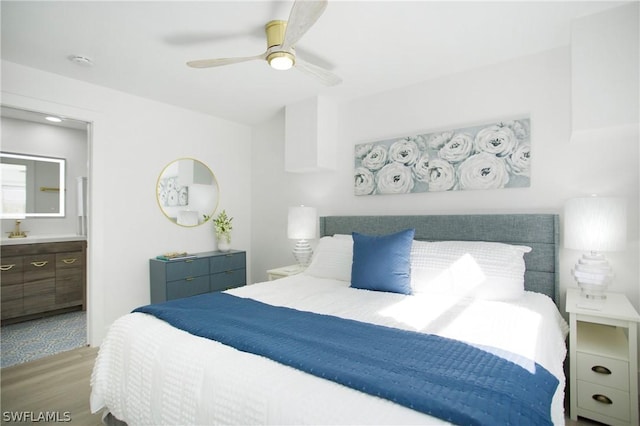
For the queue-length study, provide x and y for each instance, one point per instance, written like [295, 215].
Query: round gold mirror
[187, 192]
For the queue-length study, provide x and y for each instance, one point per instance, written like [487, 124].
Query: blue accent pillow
[382, 263]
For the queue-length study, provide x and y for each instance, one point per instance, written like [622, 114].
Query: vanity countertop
[42, 238]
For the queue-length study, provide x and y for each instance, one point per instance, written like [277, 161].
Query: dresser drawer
[227, 262]
[228, 279]
[187, 287]
[615, 405]
[614, 373]
[180, 269]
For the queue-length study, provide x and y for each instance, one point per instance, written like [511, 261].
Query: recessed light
[54, 119]
[81, 60]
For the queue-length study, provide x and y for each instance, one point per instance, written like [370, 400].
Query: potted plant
[222, 225]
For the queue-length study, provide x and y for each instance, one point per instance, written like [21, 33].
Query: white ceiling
[141, 47]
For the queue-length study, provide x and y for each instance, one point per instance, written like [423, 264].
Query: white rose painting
[491, 156]
[171, 194]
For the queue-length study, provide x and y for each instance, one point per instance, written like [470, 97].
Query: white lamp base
[303, 252]
[593, 275]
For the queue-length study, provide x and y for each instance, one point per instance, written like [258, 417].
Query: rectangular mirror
[32, 186]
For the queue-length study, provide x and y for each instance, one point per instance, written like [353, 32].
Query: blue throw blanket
[441, 377]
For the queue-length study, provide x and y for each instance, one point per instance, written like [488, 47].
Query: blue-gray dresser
[204, 273]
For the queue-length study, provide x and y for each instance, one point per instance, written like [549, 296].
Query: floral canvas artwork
[491, 156]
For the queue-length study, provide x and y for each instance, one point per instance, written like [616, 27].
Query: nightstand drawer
[604, 371]
[613, 403]
[179, 269]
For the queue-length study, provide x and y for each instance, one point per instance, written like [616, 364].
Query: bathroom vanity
[40, 276]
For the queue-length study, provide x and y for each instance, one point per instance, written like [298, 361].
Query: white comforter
[148, 372]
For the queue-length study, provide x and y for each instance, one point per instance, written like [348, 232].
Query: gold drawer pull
[39, 264]
[189, 279]
[600, 369]
[69, 261]
[602, 399]
[6, 267]
[188, 261]
[228, 272]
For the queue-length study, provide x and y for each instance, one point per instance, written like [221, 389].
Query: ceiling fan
[281, 38]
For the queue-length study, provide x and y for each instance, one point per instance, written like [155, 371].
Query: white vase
[224, 243]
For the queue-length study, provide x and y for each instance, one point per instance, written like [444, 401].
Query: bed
[460, 300]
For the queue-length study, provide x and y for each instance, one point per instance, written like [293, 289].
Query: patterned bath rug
[31, 340]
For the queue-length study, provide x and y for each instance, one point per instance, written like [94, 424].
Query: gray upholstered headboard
[538, 231]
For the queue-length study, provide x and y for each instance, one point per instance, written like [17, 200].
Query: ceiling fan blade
[303, 15]
[326, 77]
[208, 63]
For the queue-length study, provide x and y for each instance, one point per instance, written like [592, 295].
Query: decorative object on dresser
[223, 227]
[42, 278]
[285, 271]
[595, 224]
[199, 273]
[603, 359]
[302, 225]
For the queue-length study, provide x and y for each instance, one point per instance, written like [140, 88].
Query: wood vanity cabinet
[42, 277]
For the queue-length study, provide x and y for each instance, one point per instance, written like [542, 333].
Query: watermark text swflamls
[36, 416]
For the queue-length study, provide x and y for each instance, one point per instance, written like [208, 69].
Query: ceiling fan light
[281, 60]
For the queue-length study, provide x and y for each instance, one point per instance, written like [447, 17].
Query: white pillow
[332, 258]
[478, 269]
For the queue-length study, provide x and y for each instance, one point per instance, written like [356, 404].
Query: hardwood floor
[53, 388]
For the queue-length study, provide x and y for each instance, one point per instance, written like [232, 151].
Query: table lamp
[596, 225]
[302, 226]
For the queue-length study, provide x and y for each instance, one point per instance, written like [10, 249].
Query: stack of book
[174, 255]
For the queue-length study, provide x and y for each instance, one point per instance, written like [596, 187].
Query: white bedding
[148, 372]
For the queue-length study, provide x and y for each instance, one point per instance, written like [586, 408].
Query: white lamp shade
[188, 218]
[595, 224]
[302, 223]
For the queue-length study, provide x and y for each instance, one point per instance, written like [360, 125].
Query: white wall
[605, 69]
[132, 140]
[26, 137]
[537, 85]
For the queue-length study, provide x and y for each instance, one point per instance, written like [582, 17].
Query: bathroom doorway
[49, 135]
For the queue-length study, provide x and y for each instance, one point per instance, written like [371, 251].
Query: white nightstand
[284, 271]
[603, 356]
